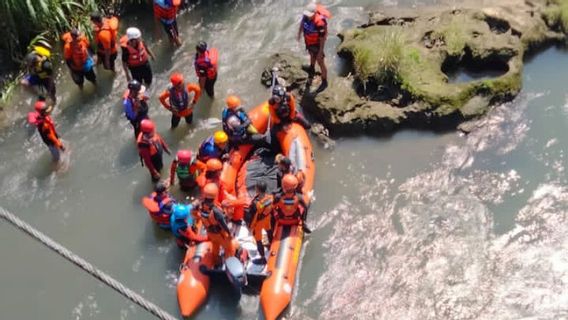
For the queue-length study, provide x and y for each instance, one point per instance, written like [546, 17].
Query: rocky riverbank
[404, 64]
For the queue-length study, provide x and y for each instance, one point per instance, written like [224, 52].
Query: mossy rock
[410, 57]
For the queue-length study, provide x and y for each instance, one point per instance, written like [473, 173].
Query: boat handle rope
[86, 266]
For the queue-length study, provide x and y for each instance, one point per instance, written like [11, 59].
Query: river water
[413, 226]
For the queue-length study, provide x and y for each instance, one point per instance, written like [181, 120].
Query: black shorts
[79, 76]
[313, 49]
[171, 28]
[142, 73]
[101, 58]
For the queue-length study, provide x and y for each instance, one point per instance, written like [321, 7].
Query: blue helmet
[181, 212]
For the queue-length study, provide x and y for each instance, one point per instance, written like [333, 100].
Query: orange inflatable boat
[283, 258]
[277, 289]
[193, 284]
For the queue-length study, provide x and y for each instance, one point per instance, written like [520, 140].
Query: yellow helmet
[42, 51]
[220, 137]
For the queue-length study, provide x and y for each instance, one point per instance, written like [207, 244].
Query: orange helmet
[210, 191]
[233, 102]
[176, 79]
[214, 165]
[289, 183]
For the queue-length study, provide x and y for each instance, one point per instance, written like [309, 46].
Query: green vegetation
[558, 15]
[380, 57]
[454, 35]
[41, 22]
[25, 19]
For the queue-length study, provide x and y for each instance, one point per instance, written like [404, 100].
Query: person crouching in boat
[187, 169]
[151, 148]
[289, 205]
[164, 205]
[183, 227]
[46, 128]
[213, 219]
[215, 146]
[261, 211]
[283, 109]
[285, 167]
[179, 100]
[237, 125]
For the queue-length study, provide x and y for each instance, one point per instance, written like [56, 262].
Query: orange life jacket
[289, 210]
[109, 25]
[136, 56]
[160, 217]
[76, 51]
[275, 114]
[154, 143]
[311, 27]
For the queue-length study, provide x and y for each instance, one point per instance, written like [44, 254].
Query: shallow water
[413, 226]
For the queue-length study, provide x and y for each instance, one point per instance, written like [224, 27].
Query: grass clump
[380, 57]
[558, 15]
[454, 36]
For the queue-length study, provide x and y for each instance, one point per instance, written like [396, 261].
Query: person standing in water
[165, 11]
[46, 128]
[78, 58]
[135, 55]
[206, 67]
[151, 148]
[105, 32]
[135, 105]
[180, 100]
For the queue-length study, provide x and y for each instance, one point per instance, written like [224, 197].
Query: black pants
[157, 161]
[142, 73]
[79, 76]
[101, 58]
[136, 124]
[176, 120]
[210, 86]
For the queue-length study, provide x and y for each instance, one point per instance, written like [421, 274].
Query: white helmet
[233, 122]
[133, 33]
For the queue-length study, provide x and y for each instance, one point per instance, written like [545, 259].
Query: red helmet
[289, 183]
[210, 191]
[176, 79]
[233, 102]
[40, 106]
[214, 165]
[147, 126]
[184, 156]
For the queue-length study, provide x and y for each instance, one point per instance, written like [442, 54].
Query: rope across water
[80, 262]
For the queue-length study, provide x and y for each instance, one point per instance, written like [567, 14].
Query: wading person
[40, 71]
[206, 67]
[135, 55]
[180, 100]
[105, 36]
[78, 59]
[165, 11]
[151, 148]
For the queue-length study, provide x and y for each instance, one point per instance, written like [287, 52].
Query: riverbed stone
[402, 62]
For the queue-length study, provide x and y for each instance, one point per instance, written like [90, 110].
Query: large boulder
[402, 67]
